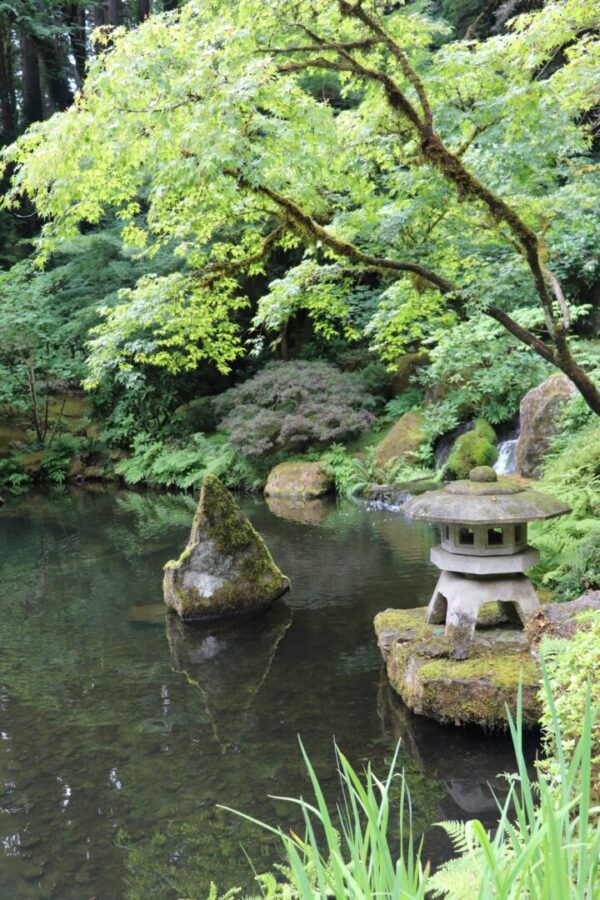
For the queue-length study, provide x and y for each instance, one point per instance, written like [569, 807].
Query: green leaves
[209, 122]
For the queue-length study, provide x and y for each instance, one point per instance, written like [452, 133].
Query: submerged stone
[226, 569]
[474, 691]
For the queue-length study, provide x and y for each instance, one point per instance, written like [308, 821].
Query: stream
[121, 732]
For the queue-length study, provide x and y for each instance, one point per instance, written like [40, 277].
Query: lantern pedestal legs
[457, 599]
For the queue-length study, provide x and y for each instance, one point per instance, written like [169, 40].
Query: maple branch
[215, 271]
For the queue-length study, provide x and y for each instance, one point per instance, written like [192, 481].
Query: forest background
[237, 234]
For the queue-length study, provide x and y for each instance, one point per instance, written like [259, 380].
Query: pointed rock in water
[226, 569]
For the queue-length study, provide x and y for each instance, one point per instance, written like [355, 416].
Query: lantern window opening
[518, 534]
[495, 537]
[466, 536]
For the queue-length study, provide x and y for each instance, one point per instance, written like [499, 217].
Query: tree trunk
[8, 104]
[99, 15]
[33, 107]
[76, 17]
[144, 9]
[56, 73]
[113, 10]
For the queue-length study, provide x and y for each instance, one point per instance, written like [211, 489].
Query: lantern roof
[483, 499]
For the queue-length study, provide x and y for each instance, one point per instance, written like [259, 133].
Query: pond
[121, 733]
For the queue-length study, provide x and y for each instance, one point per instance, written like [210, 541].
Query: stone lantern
[483, 554]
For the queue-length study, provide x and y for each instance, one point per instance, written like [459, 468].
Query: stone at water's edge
[299, 479]
[540, 417]
[403, 440]
[226, 569]
[474, 691]
[561, 620]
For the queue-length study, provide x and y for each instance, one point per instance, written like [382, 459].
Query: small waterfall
[506, 464]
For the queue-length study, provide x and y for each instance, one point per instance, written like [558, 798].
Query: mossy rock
[403, 440]
[226, 569]
[473, 691]
[406, 366]
[32, 463]
[474, 449]
[299, 479]
[540, 416]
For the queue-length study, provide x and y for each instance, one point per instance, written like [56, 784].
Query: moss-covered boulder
[226, 569]
[473, 449]
[540, 412]
[562, 620]
[403, 440]
[406, 366]
[474, 691]
[299, 479]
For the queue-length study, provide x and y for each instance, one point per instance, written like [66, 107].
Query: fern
[183, 464]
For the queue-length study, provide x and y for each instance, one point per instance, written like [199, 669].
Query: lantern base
[457, 599]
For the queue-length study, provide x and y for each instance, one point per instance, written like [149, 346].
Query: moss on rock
[226, 569]
[473, 691]
[403, 440]
[473, 449]
[299, 479]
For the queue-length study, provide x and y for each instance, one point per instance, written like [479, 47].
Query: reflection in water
[228, 665]
[297, 509]
[111, 759]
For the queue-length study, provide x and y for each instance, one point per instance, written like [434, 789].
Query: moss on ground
[472, 691]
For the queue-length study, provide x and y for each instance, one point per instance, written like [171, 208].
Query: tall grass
[546, 845]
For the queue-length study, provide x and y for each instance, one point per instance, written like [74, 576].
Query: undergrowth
[183, 464]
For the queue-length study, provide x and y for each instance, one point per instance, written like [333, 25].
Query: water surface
[119, 737]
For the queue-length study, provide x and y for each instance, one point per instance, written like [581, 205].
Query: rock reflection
[444, 754]
[229, 665]
[296, 509]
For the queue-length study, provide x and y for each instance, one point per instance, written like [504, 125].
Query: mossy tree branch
[439, 156]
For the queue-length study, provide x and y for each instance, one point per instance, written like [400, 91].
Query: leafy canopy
[206, 120]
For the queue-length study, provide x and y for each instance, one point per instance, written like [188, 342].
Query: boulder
[473, 691]
[403, 440]
[32, 463]
[561, 620]
[476, 449]
[226, 569]
[299, 479]
[405, 367]
[540, 420]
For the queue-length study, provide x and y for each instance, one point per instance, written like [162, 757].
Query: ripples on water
[118, 737]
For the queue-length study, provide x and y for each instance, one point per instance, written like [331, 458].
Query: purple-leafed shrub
[290, 406]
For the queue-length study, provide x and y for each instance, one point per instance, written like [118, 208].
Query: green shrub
[292, 406]
[354, 474]
[12, 475]
[183, 464]
[572, 668]
[570, 546]
[411, 398]
[58, 458]
[198, 415]
[475, 448]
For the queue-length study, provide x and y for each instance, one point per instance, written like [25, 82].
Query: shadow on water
[121, 729]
